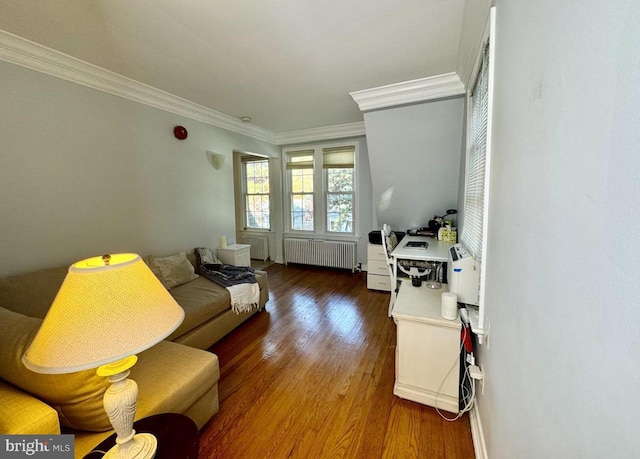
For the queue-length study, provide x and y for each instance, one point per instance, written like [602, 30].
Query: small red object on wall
[180, 132]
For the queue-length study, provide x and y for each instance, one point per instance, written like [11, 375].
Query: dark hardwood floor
[312, 377]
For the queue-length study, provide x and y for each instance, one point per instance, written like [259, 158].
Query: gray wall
[83, 173]
[414, 154]
[365, 206]
[563, 262]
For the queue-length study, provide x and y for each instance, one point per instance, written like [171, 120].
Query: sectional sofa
[177, 375]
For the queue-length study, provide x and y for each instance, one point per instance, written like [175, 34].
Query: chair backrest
[389, 241]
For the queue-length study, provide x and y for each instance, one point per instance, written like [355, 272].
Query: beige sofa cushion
[171, 377]
[77, 397]
[201, 300]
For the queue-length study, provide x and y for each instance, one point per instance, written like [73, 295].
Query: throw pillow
[205, 255]
[151, 263]
[175, 270]
[77, 397]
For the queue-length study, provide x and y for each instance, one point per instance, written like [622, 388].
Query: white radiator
[332, 254]
[259, 247]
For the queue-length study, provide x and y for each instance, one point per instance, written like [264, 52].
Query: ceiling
[287, 64]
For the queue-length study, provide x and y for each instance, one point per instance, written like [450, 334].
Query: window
[477, 159]
[322, 199]
[257, 205]
[339, 179]
[301, 190]
[478, 167]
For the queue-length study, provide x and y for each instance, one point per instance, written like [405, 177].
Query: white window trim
[487, 177]
[243, 161]
[289, 192]
[319, 200]
[482, 328]
[326, 193]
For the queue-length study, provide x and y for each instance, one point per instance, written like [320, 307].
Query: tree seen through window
[257, 203]
[340, 200]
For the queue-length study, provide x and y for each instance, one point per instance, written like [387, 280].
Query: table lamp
[108, 309]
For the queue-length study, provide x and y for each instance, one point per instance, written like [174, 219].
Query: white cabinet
[427, 350]
[235, 254]
[377, 269]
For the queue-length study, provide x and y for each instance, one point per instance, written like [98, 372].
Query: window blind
[301, 159]
[338, 157]
[475, 192]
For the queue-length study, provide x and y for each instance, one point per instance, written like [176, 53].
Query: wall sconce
[215, 159]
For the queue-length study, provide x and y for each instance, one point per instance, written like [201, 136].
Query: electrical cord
[465, 391]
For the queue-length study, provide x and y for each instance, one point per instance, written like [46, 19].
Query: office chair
[389, 242]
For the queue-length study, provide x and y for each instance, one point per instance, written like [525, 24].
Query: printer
[463, 274]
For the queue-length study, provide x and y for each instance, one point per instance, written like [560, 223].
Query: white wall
[414, 154]
[563, 264]
[84, 173]
[473, 23]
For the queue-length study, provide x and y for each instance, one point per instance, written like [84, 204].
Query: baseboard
[426, 397]
[479, 446]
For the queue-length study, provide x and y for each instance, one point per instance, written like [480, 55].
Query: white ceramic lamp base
[120, 402]
[141, 446]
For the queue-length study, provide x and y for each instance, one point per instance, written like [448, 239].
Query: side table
[177, 436]
[235, 254]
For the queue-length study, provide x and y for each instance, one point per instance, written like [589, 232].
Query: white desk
[436, 251]
[428, 348]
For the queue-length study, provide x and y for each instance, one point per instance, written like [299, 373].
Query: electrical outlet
[477, 374]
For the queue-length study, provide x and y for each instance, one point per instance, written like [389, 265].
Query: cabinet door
[378, 267]
[236, 256]
[375, 252]
[376, 282]
[243, 257]
[428, 359]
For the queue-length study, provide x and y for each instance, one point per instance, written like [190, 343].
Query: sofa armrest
[21, 413]
[263, 282]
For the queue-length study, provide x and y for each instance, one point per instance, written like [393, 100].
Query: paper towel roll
[223, 241]
[449, 307]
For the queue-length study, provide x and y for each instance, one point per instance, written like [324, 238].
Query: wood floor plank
[312, 377]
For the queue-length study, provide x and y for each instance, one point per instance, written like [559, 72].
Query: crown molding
[26, 53]
[340, 131]
[421, 90]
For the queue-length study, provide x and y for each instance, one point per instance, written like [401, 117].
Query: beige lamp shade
[102, 314]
